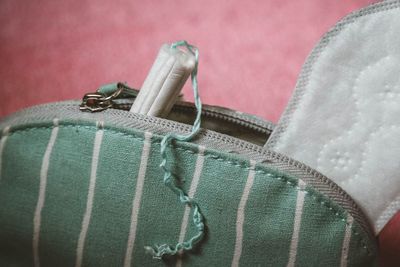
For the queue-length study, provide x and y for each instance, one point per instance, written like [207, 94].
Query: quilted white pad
[344, 117]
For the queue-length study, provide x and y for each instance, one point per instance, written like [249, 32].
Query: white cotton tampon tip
[164, 82]
[158, 64]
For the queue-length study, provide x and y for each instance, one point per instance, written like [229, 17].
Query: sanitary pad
[344, 117]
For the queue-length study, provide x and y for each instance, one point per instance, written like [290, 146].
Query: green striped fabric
[92, 195]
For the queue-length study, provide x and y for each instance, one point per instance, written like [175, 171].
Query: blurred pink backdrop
[251, 52]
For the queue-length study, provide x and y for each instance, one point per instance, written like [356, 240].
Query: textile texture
[251, 52]
[68, 201]
[345, 110]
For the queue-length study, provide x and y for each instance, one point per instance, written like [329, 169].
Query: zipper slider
[104, 97]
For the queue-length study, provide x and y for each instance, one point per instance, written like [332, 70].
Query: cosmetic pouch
[86, 189]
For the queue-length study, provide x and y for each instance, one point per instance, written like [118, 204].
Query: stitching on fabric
[316, 175]
[183, 128]
[321, 180]
[209, 154]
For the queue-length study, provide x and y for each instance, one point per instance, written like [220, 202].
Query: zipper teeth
[244, 122]
[238, 120]
[210, 111]
[175, 126]
[171, 125]
[269, 154]
[215, 136]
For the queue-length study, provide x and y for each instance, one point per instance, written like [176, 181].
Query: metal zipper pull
[104, 97]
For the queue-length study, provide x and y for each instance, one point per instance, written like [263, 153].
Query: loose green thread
[26, 129]
[158, 251]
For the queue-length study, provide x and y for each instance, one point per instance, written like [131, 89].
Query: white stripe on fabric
[4, 137]
[42, 192]
[297, 223]
[346, 241]
[240, 215]
[193, 187]
[89, 203]
[138, 197]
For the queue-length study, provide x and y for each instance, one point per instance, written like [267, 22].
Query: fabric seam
[210, 154]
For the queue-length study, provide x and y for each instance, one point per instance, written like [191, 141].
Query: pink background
[251, 52]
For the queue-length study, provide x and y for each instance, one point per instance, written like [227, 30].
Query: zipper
[111, 110]
[106, 97]
[120, 96]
